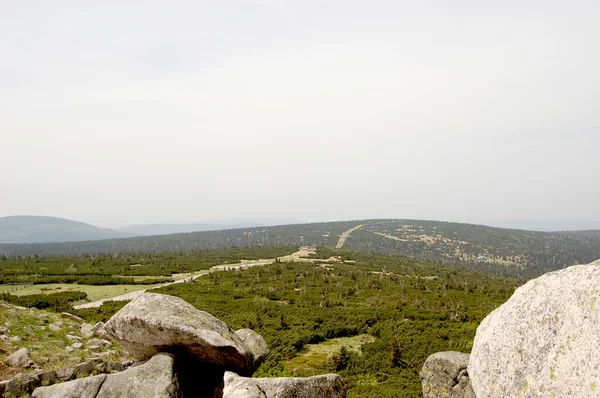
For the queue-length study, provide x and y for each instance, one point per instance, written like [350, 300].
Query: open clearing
[315, 357]
[94, 292]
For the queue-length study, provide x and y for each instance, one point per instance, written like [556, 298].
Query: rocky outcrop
[256, 344]
[155, 378]
[325, 386]
[541, 343]
[154, 323]
[187, 354]
[544, 340]
[444, 375]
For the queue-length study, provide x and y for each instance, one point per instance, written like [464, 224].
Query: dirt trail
[345, 236]
[297, 256]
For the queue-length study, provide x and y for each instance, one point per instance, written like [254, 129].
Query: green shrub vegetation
[413, 309]
[400, 309]
[59, 302]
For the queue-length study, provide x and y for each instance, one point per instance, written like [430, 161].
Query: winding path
[297, 256]
[345, 236]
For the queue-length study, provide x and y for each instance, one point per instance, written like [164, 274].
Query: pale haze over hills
[118, 114]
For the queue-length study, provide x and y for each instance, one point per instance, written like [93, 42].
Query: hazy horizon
[456, 111]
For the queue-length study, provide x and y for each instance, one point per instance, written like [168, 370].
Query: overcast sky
[122, 112]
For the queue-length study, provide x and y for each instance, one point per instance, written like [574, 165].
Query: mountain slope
[516, 252]
[165, 229]
[38, 229]
[209, 225]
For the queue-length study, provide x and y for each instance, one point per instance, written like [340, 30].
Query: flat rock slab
[80, 388]
[543, 341]
[156, 378]
[154, 323]
[325, 386]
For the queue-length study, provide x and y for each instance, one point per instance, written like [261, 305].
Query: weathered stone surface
[154, 323]
[71, 316]
[156, 378]
[19, 359]
[256, 344]
[325, 386]
[98, 330]
[66, 374]
[440, 375]
[86, 330]
[543, 341]
[81, 388]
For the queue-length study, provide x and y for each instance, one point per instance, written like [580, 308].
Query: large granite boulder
[256, 344]
[444, 374]
[154, 323]
[155, 378]
[325, 386]
[544, 340]
[81, 388]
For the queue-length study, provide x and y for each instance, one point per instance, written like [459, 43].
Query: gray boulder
[19, 359]
[156, 378]
[154, 323]
[80, 388]
[86, 330]
[325, 386]
[543, 341]
[444, 374]
[256, 344]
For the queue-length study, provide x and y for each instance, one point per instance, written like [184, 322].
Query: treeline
[59, 302]
[524, 254]
[111, 269]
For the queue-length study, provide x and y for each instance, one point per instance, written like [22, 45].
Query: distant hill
[511, 251]
[38, 229]
[212, 225]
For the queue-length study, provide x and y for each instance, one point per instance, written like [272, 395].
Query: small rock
[71, 316]
[15, 338]
[115, 367]
[19, 359]
[73, 338]
[86, 330]
[84, 368]
[441, 372]
[47, 377]
[66, 374]
[77, 345]
[3, 330]
[94, 342]
[54, 327]
[28, 382]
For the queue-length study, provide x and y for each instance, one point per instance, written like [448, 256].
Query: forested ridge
[515, 252]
